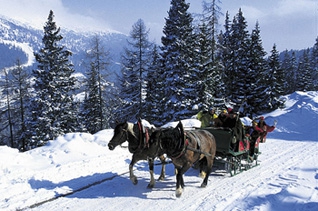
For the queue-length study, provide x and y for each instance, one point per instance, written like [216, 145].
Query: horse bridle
[125, 131]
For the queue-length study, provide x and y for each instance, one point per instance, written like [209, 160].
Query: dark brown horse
[140, 146]
[186, 148]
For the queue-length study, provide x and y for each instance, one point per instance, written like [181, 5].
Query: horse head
[169, 139]
[120, 134]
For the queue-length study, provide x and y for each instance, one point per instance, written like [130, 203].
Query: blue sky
[291, 24]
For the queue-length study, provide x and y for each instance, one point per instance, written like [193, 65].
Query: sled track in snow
[270, 166]
[79, 189]
[73, 192]
[213, 196]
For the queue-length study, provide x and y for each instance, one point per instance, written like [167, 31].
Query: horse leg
[132, 177]
[152, 179]
[163, 169]
[203, 163]
[179, 184]
[208, 169]
[180, 181]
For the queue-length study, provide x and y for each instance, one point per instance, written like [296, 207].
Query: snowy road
[272, 185]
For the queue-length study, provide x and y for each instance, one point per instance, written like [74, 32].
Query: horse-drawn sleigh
[188, 147]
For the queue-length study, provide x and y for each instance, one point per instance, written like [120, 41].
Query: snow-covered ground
[78, 172]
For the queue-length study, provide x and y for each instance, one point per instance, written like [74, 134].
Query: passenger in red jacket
[266, 128]
[254, 134]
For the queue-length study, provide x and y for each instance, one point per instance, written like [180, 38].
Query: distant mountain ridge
[19, 41]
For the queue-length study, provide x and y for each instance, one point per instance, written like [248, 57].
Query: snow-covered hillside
[78, 172]
[29, 40]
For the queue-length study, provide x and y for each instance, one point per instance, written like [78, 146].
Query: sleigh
[232, 152]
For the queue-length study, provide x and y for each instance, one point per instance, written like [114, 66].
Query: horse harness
[144, 136]
[185, 141]
[198, 144]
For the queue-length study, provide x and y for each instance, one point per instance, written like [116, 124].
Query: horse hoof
[150, 186]
[178, 192]
[202, 174]
[161, 178]
[203, 185]
[134, 180]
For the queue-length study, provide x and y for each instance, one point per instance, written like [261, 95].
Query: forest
[199, 63]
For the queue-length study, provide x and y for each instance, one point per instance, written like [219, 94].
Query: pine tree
[152, 88]
[239, 59]
[314, 65]
[289, 68]
[304, 76]
[52, 108]
[275, 80]
[211, 15]
[255, 88]
[178, 59]
[7, 112]
[207, 75]
[209, 55]
[135, 63]
[224, 54]
[21, 83]
[91, 113]
[15, 88]
[94, 112]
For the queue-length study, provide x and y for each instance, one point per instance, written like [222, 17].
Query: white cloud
[35, 13]
[290, 7]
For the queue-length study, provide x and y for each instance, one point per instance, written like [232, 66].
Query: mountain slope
[17, 40]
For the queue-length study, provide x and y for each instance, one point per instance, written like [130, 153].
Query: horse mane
[130, 129]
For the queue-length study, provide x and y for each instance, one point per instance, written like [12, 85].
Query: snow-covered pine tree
[255, 89]
[52, 108]
[135, 64]
[7, 112]
[210, 65]
[178, 59]
[239, 59]
[21, 85]
[274, 80]
[314, 64]
[94, 113]
[15, 90]
[224, 54]
[289, 67]
[91, 113]
[153, 86]
[304, 76]
[206, 74]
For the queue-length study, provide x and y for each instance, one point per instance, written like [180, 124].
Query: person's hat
[205, 108]
[224, 111]
[229, 109]
[212, 109]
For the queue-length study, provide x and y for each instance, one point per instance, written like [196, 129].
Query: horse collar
[144, 136]
[183, 140]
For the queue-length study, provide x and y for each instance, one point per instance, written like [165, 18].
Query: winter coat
[206, 118]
